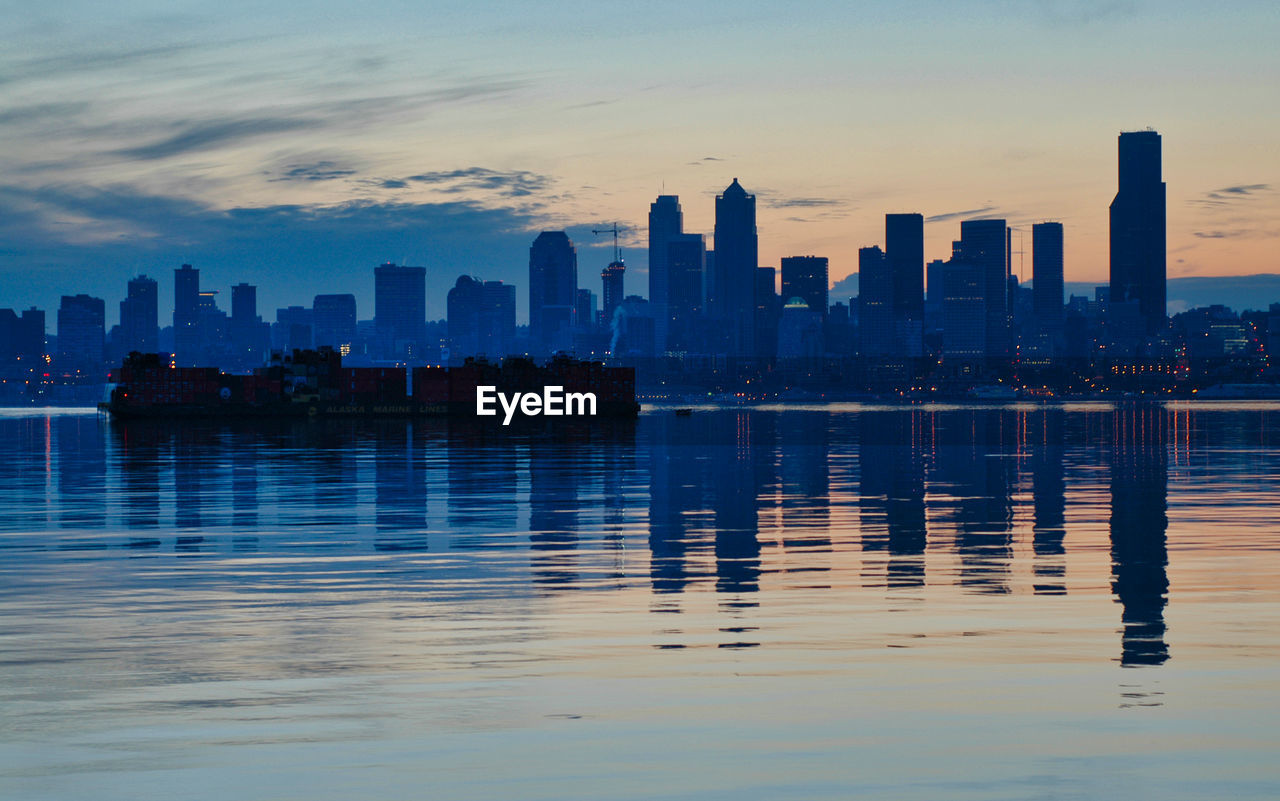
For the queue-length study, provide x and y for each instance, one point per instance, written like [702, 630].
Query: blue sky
[298, 146]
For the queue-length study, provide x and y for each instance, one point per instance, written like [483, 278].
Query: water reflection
[1139, 489]
[741, 504]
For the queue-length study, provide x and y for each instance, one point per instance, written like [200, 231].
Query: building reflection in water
[736, 472]
[1045, 433]
[400, 489]
[892, 494]
[82, 471]
[975, 460]
[1139, 554]
[554, 476]
[677, 477]
[483, 475]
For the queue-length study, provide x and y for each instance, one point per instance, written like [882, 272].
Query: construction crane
[617, 254]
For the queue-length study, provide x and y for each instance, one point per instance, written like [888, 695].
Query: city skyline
[140, 141]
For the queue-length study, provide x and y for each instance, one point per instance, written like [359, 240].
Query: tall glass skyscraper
[732, 296]
[400, 309]
[1138, 231]
[666, 222]
[984, 244]
[553, 290]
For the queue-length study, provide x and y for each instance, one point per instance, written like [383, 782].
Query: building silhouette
[904, 252]
[250, 336]
[1139, 522]
[553, 291]
[805, 277]
[875, 303]
[140, 317]
[482, 318]
[333, 321]
[613, 290]
[400, 310]
[1048, 311]
[769, 312]
[1138, 269]
[82, 335]
[686, 266]
[666, 223]
[732, 289]
[186, 316]
[984, 245]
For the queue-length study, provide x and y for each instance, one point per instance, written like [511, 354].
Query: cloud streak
[952, 215]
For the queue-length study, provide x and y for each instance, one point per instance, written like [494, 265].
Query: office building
[805, 277]
[732, 289]
[686, 264]
[186, 316]
[140, 317]
[666, 222]
[984, 245]
[82, 335]
[333, 321]
[1138, 268]
[1048, 310]
[553, 291]
[400, 310]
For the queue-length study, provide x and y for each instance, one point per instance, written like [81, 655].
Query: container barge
[315, 384]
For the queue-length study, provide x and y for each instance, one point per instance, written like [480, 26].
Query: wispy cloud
[1231, 196]
[316, 171]
[198, 136]
[509, 183]
[952, 215]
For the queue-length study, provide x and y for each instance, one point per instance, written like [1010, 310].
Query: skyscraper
[666, 222]
[400, 309]
[333, 321]
[82, 334]
[553, 290]
[186, 316]
[732, 291]
[250, 337]
[686, 262]
[1138, 231]
[875, 303]
[805, 277]
[482, 318]
[140, 317]
[904, 250]
[613, 290]
[1046, 279]
[984, 244]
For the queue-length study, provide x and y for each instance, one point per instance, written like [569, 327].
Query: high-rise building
[984, 244]
[686, 263]
[904, 250]
[82, 335]
[586, 309]
[805, 277]
[965, 322]
[186, 316]
[333, 321]
[140, 317]
[30, 337]
[400, 310]
[875, 303]
[482, 318]
[732, 289]
[1046, 278]
[553, 290]
[769, 312]
[666, 222]
[250, 336]
[1138, 231]
[613, 290]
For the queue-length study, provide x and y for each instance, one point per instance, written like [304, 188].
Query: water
[820, 602]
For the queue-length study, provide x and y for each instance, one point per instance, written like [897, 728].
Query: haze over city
[299, 156]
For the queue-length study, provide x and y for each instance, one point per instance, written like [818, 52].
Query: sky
[299, 145]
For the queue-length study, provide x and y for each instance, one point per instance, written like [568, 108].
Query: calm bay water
[819, 602]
